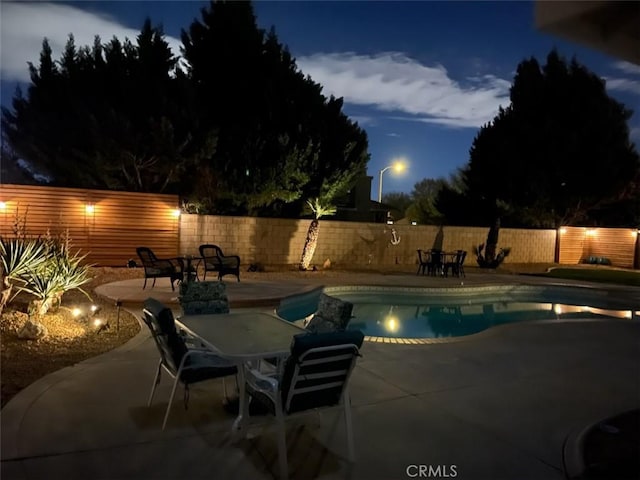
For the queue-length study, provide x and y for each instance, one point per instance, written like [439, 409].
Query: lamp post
[398, 166]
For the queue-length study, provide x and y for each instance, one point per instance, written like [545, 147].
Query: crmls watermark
[432, 471]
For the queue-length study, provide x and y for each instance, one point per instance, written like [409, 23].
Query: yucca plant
[58, 275]
[18, 257]
[319, 209]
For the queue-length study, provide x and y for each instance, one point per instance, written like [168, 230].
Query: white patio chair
[315, 376]
[186, 364]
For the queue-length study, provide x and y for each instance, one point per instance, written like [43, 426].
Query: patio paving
[498, 405]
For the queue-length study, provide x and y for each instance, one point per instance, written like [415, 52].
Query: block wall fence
[117, 222]
[280, 241]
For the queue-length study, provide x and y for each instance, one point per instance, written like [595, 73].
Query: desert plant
[319, 209]
[43, 267]
[18, 257]
[61, 272]
[486, 255]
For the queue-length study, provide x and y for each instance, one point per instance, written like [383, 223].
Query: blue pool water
[435, 313]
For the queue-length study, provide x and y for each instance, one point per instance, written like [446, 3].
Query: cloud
[627, 67]
[363, 120]
[624, 85]
[25, 25]
[393, 82]
[393, 134]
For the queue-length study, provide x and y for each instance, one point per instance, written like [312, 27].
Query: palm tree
[319, 209]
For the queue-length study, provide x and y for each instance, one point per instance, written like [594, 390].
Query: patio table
[189, 270]
[241, 338]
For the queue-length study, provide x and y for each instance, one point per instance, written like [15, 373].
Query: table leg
[238, 428]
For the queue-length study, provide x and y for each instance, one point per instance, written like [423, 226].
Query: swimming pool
[428, 315]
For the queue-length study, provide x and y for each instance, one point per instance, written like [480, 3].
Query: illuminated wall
[106, 225]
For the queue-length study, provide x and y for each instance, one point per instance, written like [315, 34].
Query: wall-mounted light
[634, 234]
[89, 208]
[591, 232]
[3, 205]
[414, 223]
[563, 231]
[176, 212]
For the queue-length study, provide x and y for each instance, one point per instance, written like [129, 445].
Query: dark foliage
[559, 154]
[280, 140]
[242, 130]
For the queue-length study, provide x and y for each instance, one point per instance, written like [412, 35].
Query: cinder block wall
[280, 241]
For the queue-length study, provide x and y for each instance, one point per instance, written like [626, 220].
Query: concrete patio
[507, 403]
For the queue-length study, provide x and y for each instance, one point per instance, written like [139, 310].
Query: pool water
[433, 313]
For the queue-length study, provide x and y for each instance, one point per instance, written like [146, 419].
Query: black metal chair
[423, 261]
[435, 265]
[456, 265]
[315, 376]
[216, 261]
[155, 267]
[185, 364]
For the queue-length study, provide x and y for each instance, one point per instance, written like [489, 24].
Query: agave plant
[319, 209]
[18, 257]
[58, 275]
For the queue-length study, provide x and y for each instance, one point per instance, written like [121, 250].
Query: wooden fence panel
[571, 245]
[108, 232]
[616, 244]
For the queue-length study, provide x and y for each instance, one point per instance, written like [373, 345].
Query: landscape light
[3, 205]
[100, 325]
[89, 208]
[176, 212]
[563, 230]
[414, 223]
[591, 232]
[76, 312]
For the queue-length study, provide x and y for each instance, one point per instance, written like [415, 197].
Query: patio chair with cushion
[155, 267]
[333, 314]
[315, 376]
[216, 261]
[185, 364]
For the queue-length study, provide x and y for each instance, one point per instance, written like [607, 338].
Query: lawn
[602, 275]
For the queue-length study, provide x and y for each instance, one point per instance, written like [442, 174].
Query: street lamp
[398, 166]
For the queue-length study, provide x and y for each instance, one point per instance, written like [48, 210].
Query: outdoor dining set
[185, 268]
[438, 263]
[283, 368]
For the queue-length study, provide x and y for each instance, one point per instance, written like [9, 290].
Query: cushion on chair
[172, 343]
[302, 343]
[333, 314]
[198, 298]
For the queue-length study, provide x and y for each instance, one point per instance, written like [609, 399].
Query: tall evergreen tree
[556, 155]
[280, 141]
[115, 115]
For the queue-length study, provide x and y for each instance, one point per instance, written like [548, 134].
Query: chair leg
[224, 389]
[346, 400]
[173, 392]
[145, 283]
[154, 282]
[156, 381]
[282, 445]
